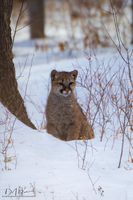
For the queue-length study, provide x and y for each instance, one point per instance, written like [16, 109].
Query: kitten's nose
[66, 91]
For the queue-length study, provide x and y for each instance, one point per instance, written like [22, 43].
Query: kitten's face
[63, 83]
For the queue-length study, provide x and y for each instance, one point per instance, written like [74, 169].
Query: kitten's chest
[63, 107]
[65, 114]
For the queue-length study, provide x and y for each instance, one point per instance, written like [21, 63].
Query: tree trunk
[118, 3]
[9, 94]
[132, 23]
[37, 18]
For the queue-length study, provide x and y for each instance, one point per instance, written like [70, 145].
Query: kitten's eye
[60, 83]
[71, 83]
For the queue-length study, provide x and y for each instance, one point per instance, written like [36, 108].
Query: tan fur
[65, 118]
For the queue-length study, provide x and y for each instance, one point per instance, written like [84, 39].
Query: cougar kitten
[65, 118]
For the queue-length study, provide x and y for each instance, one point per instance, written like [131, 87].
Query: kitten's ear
[74, 73]
[53, 74]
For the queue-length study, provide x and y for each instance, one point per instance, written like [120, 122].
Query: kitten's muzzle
[66, 91]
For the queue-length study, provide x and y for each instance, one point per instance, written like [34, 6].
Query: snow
[55, 169]
[52, 165]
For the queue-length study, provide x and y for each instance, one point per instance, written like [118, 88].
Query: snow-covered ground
[46, 168]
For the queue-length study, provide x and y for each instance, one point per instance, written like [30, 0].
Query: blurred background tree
[31, 12]
[86, 23]
[36, 18]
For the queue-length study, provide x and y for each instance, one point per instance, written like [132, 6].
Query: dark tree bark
[9, 94]
[37, 18]
[132, 22]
